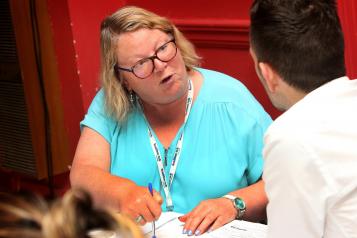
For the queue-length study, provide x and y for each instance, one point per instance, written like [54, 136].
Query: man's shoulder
[292, 124]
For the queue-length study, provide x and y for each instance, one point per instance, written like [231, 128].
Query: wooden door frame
[24, 22]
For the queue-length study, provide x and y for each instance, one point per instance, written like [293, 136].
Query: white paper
[239, 229]
[167, 220]
[168, 226]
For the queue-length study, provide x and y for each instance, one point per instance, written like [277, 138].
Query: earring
[131, 96]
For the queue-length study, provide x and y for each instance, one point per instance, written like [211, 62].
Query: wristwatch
[238, 204]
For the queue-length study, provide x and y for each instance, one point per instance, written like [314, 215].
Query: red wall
[76, 27]
[348, 15]
[85, 19]
[67, 68]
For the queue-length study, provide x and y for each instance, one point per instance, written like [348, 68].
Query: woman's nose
[159, 65]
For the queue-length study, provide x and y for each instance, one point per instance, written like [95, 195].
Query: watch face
[239, 203]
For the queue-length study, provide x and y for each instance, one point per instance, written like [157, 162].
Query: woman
[158, 112]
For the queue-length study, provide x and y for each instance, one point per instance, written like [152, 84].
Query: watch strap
[231, 197]
[241, 208]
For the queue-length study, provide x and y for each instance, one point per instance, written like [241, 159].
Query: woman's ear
[269, 76]
[125, 83]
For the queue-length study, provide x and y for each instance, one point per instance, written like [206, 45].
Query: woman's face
[168, 82]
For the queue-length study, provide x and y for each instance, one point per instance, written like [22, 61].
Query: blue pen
[153, 223]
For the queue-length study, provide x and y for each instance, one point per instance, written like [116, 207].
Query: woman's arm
[214, 213]
[90, 170]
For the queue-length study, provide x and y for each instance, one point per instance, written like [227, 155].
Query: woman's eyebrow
[157, 46]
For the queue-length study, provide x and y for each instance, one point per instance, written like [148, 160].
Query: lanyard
[154, 145]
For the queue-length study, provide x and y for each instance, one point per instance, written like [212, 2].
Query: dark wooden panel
[16, 151]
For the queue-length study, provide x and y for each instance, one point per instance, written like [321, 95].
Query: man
[310, 151]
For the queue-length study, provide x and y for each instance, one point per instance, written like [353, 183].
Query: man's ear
[269, 75]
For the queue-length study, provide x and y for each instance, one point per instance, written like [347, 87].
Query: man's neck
[294, 96]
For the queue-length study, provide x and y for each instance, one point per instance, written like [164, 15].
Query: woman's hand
[117, 193]
[208, 215]
[139, 204]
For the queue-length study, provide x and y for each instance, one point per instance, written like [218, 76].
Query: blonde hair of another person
[129, 19]
[72, 216]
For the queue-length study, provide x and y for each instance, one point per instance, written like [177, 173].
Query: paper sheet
[168, 226]
[167, 222]
[239, 229]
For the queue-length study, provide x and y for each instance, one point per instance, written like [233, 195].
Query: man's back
[311, 157]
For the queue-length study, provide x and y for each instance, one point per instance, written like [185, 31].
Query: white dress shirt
[310, 169]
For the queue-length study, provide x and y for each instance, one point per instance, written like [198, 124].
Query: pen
[153, 223]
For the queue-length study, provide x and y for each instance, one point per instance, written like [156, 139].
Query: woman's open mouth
[166, 79]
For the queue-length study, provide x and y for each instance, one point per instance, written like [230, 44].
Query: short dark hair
[301, 39]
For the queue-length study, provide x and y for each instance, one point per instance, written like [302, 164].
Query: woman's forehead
[140, 43]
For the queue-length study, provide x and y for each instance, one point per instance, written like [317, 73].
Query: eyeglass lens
[165, 53]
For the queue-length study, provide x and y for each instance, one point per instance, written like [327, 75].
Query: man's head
[298, 42]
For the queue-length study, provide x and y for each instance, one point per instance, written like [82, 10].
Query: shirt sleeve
[98, 119]
[297, 187]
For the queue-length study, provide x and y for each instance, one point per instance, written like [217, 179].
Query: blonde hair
[129, 19]
[73, 216]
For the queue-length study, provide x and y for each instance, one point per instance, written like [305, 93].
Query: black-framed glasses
[145, 67]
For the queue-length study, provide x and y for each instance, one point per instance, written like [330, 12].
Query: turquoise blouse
[222, 148]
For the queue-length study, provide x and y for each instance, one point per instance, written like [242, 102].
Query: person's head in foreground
[73, 216]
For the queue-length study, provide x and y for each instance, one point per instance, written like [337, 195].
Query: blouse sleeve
[255, 150]
[97, 118]
[249, 128]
